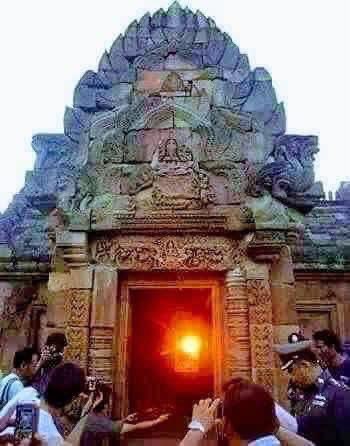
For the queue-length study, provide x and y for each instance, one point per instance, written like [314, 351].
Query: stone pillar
[77, 307]
[102, 357]
[284, 316]
[70, 295]
[237, 357]
[260, 324]
[69, 311]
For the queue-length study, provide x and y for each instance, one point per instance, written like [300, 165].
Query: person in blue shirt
[329, 350]
[24, 368]
[325, 415]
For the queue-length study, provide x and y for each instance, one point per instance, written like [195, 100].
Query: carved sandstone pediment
[173, 76]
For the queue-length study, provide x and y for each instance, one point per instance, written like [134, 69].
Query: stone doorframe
[137, 281]
[257, 296]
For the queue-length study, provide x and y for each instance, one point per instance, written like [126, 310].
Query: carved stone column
[103, 321]
[78, 308]
[237, 360]
[260, 324]
[284, 316]
[70, 294]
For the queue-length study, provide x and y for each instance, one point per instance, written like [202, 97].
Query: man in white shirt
[24, 368]
[66, 383]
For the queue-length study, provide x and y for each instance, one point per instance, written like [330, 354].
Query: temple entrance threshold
[172, 352]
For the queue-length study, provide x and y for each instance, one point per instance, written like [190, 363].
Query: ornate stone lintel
[146, 253]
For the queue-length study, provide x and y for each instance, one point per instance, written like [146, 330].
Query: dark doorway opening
[171, 357]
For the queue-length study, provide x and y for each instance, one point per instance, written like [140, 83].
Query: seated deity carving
[171, 159]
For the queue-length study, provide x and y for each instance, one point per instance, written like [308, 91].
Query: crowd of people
[71, 412]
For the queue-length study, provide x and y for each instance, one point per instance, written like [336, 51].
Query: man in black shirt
[328, 347]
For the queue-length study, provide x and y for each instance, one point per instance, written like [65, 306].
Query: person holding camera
[51, 356]
[246, 416]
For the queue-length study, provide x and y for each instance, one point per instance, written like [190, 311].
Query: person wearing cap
[325, 415]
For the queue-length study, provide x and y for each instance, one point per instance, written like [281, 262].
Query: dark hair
[249, 409]
[329, 338]
[66, 382]
[106, 394]
[23, 356]
[57, 339]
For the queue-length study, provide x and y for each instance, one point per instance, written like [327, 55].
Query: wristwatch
[196, 426]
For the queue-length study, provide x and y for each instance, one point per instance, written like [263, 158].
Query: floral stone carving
[168, 253]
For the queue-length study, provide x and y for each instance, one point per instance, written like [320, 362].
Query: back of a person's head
[23, 356]
[57, 339]
[66, 382]
[106, 392]
[249, 409]
[329, 338]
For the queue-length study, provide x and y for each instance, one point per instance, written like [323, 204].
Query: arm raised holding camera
[203, 421]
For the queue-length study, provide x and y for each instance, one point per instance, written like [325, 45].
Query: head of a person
[103, 398]
[327, 345]
[25, 362]
[57, 342]
[248, 410]
[299, 360]
[67, 382]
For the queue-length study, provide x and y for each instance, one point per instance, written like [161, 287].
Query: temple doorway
[171, 355]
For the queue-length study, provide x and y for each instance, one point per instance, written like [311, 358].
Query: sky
[46, 46]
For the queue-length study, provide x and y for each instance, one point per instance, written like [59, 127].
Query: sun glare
[191, 345]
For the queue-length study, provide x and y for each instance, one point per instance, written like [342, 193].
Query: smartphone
[91, 383]
[27, 420]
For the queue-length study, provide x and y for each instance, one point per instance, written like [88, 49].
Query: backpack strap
[6, 390]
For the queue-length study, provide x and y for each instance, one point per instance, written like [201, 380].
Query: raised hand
[205, 413]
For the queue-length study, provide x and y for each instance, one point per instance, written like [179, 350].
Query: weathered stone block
[104, 298]
[58, 282]
[81, 278]
[56, 308]
[256, 270]
[282, 271]
[283, 304]
[69, 238]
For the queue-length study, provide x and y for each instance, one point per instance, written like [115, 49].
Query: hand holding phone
[27, 420]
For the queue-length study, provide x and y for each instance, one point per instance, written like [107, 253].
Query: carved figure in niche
[173, 83]
[172, 159]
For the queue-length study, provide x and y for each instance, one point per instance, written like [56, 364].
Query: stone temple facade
[174, 169]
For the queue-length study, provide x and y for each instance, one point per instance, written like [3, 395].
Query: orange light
[191, 345]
